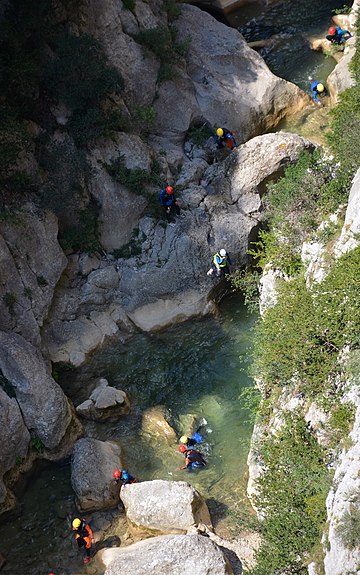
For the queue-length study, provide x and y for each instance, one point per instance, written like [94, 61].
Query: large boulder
[31, 263]
[168, 555]
[14, 437]
[104, 403]
[155, 422]
[233, 85]
[44, 407]
[163, 506]
[92, 466]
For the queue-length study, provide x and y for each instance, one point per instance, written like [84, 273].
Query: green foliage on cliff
[162, 41]
[292, 494]
[299, 338]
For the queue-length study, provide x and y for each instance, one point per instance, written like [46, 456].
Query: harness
[220, 261]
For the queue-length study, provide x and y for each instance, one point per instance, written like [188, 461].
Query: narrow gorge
[114, 340]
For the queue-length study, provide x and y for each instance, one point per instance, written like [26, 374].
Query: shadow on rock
[112, 541]
[217, 510]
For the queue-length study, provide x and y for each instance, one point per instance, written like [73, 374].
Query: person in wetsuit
[193, 459]
[83, 536]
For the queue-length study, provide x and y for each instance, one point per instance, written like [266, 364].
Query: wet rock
[155, 422]
[14, 437]
[168, 554]
[104, 403]
[168, 311]
[163, 506]
[45, 409]
[92, 466]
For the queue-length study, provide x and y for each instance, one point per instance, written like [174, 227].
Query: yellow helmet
[76, 523]
[220, 132]
[320, 87]
[184, 439]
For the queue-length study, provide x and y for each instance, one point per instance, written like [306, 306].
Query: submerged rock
[155, 422]
[92, 466]
[168, 555]
[104, 403]
[163, 506]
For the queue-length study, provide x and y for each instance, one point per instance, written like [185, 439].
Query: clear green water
[194, 368]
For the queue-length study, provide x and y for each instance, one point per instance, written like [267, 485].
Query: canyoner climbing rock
[163, 507]
[92, 466]
[175, 554]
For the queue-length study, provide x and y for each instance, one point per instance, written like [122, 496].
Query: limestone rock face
[14, 437]
[233, 85]
[164, 506]
[167, 282]
[168, 555]
[44, 407]
[120, 209]
[349, 238]
[340, 78]
[105, 403]
[31, 263]
[92, 466]
[343, 553]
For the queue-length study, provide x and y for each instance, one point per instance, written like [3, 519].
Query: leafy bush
[348, 530]
[135, 179]
[172, 8]
[162, 42]
[247, 281]
[10, 299]
[300, 337]
[129, 4]
[292, 493]
[199, 134]
[132, 248]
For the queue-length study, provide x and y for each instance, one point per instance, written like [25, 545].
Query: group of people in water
[194, 459]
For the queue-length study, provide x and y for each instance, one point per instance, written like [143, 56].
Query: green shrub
[199, 134]
[300, 337]
[84, 235]
[172, 8]
[129, 4]
[144, 118]
[348, 530]
[163, 43]
[132, 248]
[135, 179]
[247, 281]
[341, 421]
[41, 281]
[10, 300]
[292, 493]
[37, 444]
[80, 75]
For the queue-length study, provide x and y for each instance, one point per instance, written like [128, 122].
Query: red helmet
[332, 30]
[182, 448]
[116, 474]
[169, 190]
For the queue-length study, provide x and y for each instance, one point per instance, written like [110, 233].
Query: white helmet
[223, 253]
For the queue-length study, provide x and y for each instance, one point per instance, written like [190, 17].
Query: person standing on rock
[221, 261]
[193, 459]
[83, 537]
[225, 137]
[168, 202]
[317, 89]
